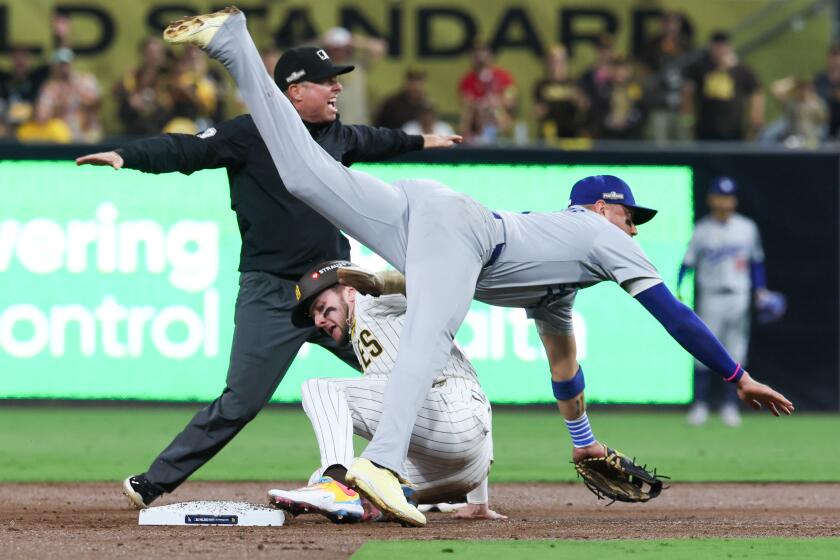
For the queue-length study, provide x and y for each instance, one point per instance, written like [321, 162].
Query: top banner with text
[436, 36]
[120, 285]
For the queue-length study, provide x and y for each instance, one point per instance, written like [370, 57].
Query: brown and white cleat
[197, 30]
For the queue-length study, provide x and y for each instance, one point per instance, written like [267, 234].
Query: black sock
[336, 472]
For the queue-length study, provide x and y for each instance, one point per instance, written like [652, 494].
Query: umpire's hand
[439, 141]
[113, 159]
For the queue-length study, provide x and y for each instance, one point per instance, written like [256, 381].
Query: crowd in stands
[674, 90]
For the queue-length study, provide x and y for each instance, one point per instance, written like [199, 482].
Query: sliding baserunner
[451, 445]
[451, 249]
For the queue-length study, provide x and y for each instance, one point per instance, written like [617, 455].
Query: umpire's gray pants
[264, 344]
[438, 238]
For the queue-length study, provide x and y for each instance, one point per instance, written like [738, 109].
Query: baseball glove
[770, 306]
[618, 478]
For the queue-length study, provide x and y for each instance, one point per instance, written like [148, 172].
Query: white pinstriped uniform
[451, 446]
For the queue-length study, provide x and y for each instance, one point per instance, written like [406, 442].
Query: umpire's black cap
[306, 64]
[321, 277]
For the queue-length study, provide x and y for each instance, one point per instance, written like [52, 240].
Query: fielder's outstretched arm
[693, 335]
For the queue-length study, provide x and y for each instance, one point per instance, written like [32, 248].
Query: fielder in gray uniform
[451, 249]
[451, 448]
[725, 249]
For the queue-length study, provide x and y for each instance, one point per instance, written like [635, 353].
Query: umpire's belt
[497, 250]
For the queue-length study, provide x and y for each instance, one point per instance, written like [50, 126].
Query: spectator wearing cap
[68, 105]
[488, 98]
[559, 103]
[722, 95]
[281, 239]
[406, 104]
[362, 53]
[827, 85]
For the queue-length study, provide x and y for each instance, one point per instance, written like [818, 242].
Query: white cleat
[383, 488]
[730, 415]
[327, 497]
[698, 414]
[197, 30]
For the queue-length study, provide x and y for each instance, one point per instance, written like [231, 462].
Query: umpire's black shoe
[140, 492]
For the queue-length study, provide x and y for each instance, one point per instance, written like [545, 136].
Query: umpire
[281, 239]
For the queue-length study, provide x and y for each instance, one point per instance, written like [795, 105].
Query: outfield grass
[682, 549]
[93, 444]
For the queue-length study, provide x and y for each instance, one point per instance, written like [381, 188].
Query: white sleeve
[480, 494]
[622, 260]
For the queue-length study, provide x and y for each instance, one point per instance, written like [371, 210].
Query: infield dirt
[94, 521]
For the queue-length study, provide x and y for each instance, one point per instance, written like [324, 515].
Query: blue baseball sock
[581, 431]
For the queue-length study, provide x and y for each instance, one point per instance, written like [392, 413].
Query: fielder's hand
[438, 141]
[372, 283]
[477, 511]
[758, 394]
[365, 281]
[113, 159]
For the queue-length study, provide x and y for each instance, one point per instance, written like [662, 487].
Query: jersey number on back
[370, 348]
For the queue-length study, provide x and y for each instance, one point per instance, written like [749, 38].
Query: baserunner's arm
[478, 505]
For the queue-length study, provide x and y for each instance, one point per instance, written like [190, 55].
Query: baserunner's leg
[365, 207]
[451, 448]
[443, 261]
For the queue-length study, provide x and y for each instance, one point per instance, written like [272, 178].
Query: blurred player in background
[451, 446]
[725, 249]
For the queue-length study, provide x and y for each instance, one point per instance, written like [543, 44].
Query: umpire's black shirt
[280, 234]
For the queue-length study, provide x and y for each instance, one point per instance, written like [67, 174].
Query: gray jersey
[585, 249]
[376, 332]
[721, 252]
[443, 242]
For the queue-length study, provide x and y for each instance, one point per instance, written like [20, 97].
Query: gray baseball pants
[728, 317]
[438, 238]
